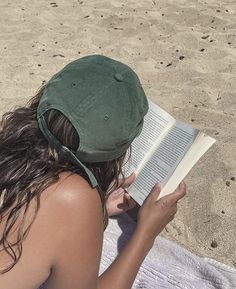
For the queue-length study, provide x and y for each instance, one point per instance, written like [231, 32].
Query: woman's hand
[119, 201]
[155, 214]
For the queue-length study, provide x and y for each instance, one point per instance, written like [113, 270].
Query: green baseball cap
[104, 101]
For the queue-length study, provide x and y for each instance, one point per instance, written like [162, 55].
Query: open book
[164, 152]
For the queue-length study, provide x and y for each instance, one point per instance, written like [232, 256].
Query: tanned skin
[64, 244]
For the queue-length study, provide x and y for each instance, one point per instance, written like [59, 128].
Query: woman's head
[104, 102]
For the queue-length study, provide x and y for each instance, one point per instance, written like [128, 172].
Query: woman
[60, 156]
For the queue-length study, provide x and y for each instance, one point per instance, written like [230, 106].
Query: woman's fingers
[154, 194]
[129, 201]
[155, 214]
[128, 181]
[178, 194]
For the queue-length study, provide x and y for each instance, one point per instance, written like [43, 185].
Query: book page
[157, 122]
[200, 146]
[166, 157]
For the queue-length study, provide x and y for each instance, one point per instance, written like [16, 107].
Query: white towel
[168, 265]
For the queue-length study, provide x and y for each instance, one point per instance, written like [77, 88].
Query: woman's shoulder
[68, 201]
[70, 192]
[67, 207]
[68, 198]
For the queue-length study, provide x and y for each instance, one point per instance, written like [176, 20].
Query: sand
[185, 55]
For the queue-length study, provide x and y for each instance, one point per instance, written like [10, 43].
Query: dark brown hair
[28, 165]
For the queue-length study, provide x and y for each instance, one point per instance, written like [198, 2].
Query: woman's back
[47, 247]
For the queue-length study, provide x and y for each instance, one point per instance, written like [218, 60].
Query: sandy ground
[185, 55]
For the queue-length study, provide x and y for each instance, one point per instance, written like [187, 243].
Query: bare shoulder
[69, 183]
[64, 242]
[72, 197]
[71, 192]
[77, 229]
[67, 208]
[69, 225]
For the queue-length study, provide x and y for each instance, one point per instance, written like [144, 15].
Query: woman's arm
[152, 219]
[122, 272]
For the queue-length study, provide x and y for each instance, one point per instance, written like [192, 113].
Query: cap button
[118, 77]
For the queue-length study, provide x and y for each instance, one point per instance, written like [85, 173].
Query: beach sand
[185, 55]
